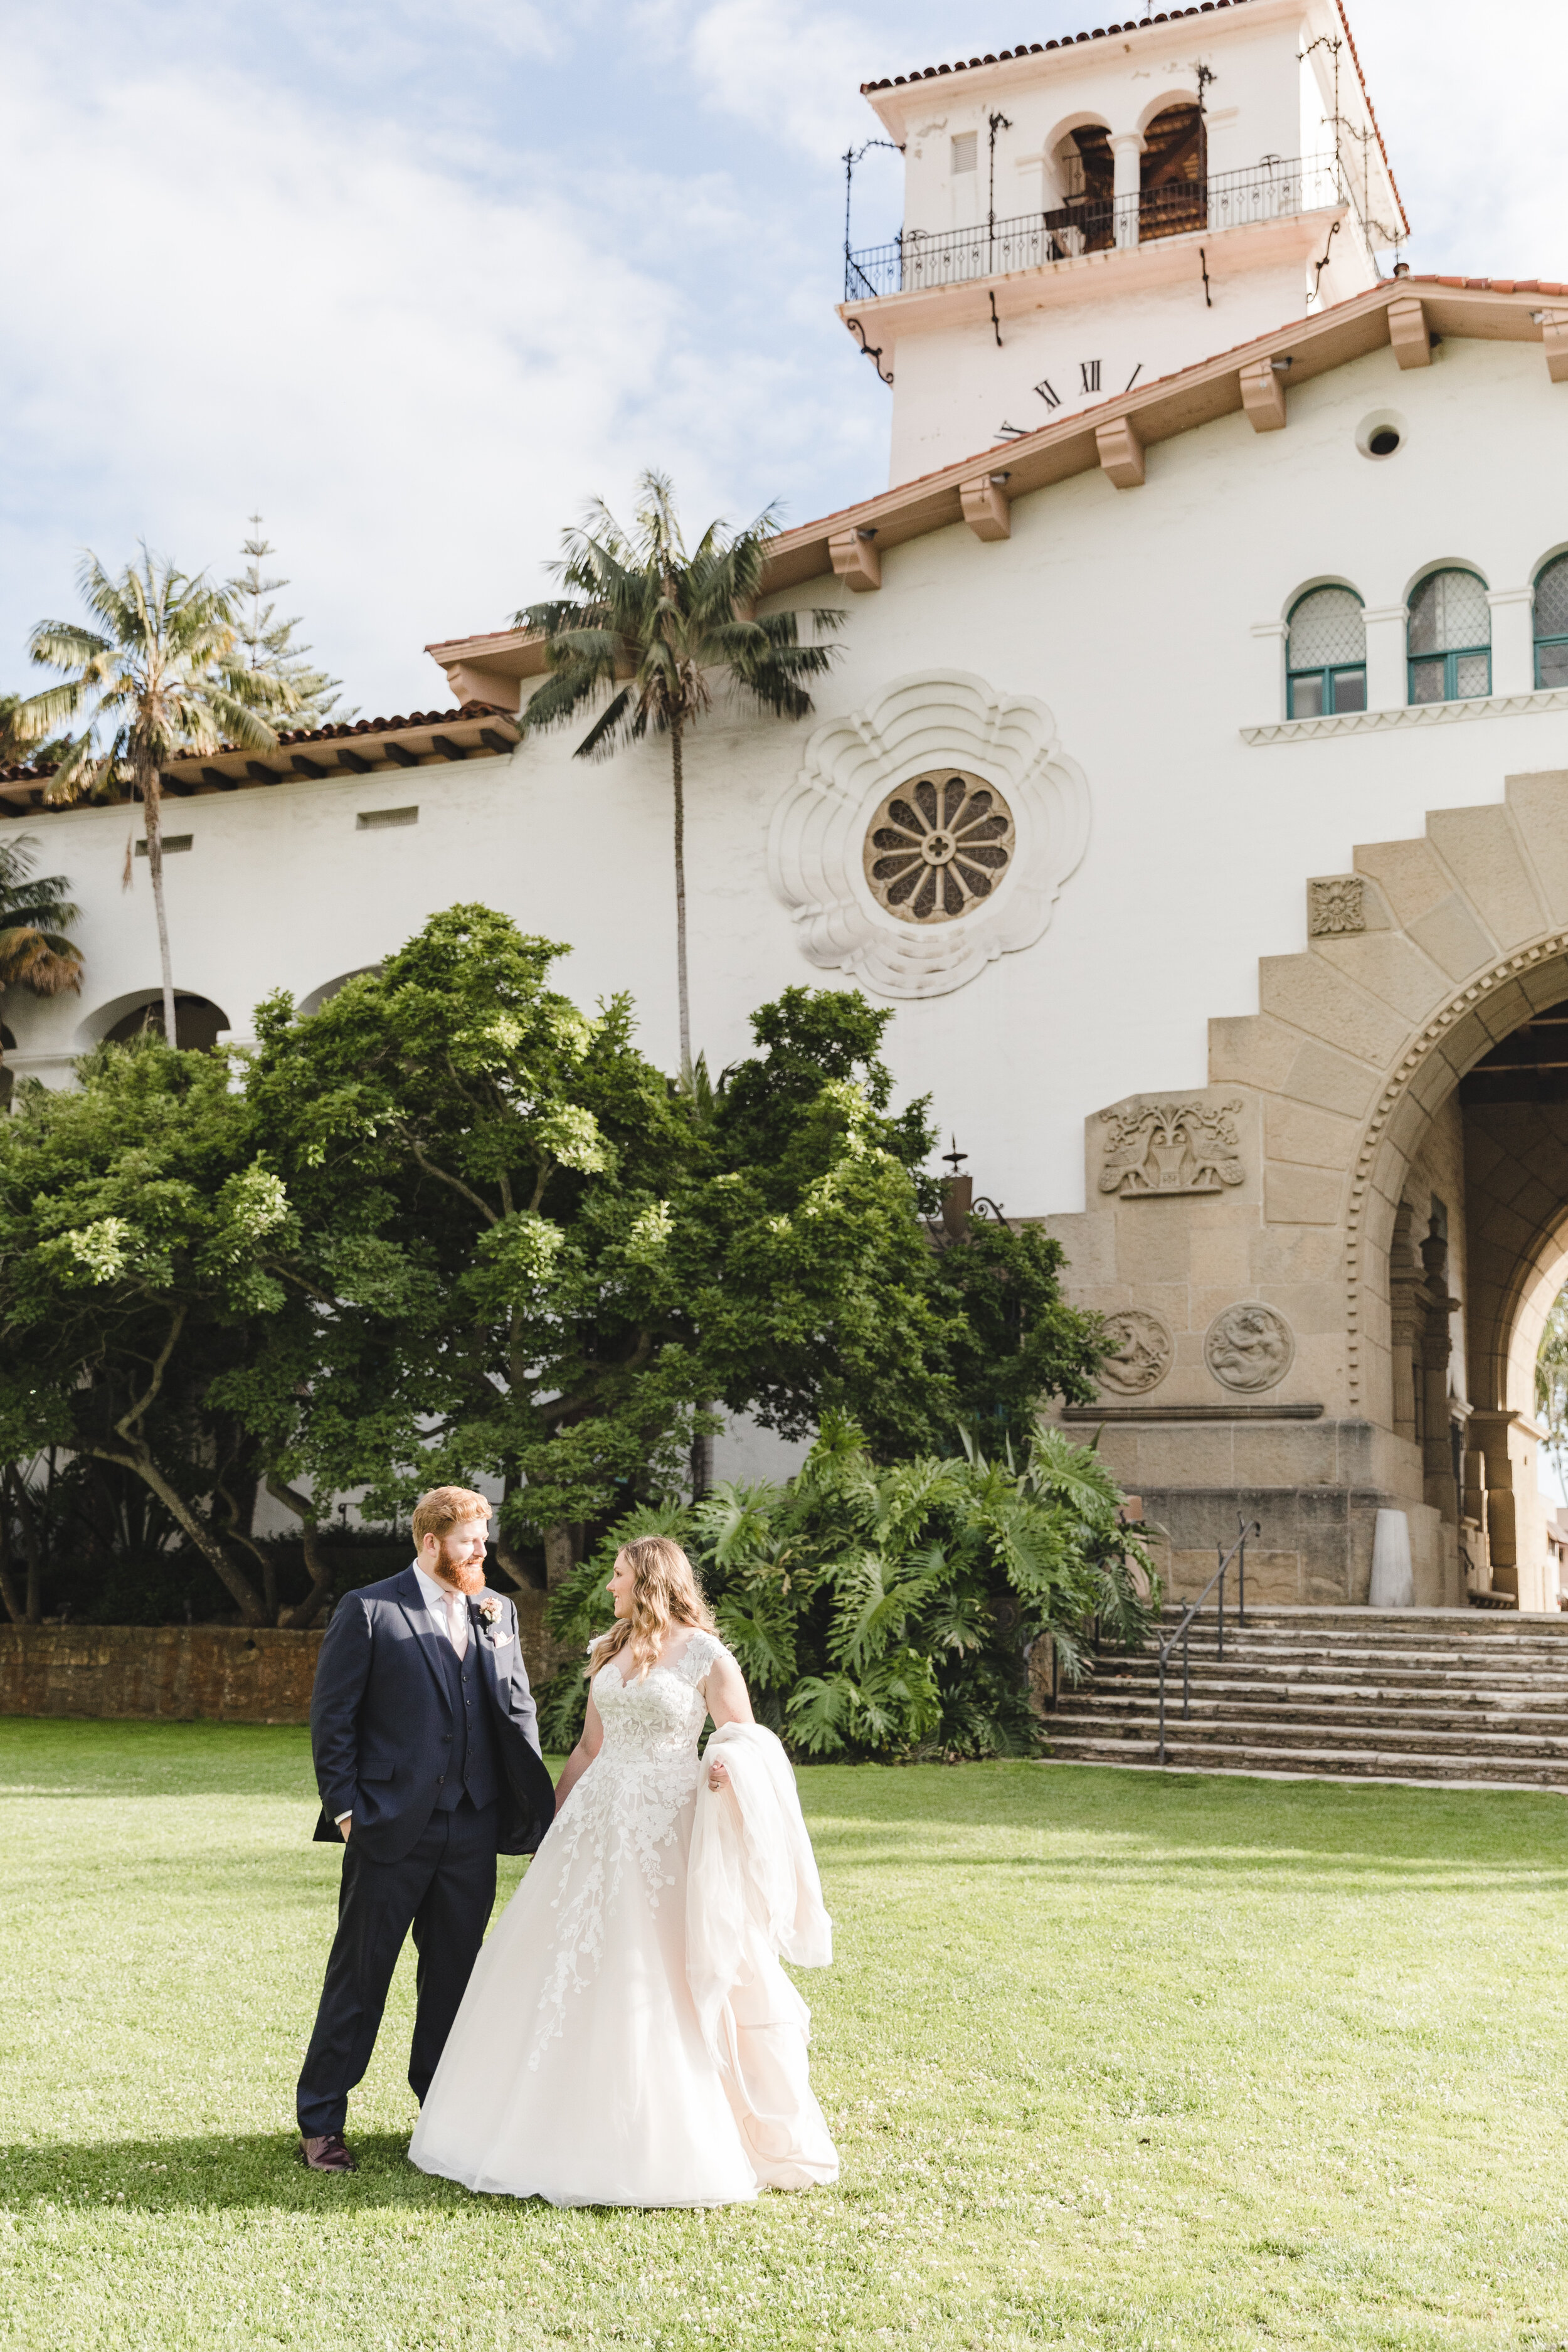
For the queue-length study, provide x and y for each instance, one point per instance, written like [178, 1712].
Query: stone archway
[1514, 1105]
[1338, 1215]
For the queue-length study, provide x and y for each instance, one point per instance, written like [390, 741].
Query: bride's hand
[718, 1778]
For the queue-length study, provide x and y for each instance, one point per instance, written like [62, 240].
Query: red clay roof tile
[1067, 40]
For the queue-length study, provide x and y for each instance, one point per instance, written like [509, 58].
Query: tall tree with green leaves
[35, 915]
[454, 1226]
[159, 674]
[535, 1259]
[145, 1247]
[653, 633]
[269, 643]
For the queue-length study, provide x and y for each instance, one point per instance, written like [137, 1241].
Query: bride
[628, 2036]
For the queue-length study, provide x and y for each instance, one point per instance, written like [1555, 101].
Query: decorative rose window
[915, 874]
[938, 846]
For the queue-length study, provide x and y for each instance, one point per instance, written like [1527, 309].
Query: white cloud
[417, 374]
[790, 71]
[511, 27]
[1470, 105]
[283, 257]
[407, 377]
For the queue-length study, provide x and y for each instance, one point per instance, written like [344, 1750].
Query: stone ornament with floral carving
[1249, 1347]
[1336, 906]
[942, 725]
[1143, 1351]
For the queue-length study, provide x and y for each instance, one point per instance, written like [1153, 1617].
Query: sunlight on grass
[1115, 2062]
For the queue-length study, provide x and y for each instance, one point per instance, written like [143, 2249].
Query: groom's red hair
[444, 1508]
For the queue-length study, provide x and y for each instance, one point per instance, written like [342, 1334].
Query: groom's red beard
[461, 1578]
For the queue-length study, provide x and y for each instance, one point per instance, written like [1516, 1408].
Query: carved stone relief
[1336, 905]
[862, 777]
[1249, 1347]
[1164, 1149]
[1144, 1349]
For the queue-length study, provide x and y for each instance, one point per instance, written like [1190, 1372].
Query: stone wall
[180, 1674]
[188, 1673]
[1315, 1551]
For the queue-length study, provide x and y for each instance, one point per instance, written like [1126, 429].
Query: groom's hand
[345, 1825]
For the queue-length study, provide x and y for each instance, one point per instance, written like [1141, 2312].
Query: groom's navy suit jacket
[382, 1721]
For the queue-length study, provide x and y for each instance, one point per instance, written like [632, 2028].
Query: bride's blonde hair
[664, 1592]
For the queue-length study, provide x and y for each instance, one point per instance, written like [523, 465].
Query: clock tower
[1085, 214]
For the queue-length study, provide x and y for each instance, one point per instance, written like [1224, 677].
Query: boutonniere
[489, 1613]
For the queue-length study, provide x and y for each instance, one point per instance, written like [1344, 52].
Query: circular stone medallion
[938, 846]
[1248, 1347]
[1143, 1351]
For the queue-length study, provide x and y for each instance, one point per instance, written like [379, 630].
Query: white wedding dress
[579, 2068]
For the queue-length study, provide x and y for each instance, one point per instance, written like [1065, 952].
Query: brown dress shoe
[326, 2153]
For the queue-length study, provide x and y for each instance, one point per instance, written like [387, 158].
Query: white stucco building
[1194, 780]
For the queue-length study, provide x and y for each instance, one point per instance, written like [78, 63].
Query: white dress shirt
[450, 1610]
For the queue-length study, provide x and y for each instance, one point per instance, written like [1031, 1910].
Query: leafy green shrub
[889, 1609]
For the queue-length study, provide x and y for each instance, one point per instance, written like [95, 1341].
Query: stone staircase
[1401, 1694]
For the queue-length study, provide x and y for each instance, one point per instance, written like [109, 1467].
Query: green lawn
[1114, 2060]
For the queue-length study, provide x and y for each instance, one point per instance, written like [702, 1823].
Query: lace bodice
[659, 1714]
[633, 1806]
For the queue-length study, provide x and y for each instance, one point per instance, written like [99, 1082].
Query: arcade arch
[197, 1019]
[1375, 1179]
[1081, 179]
[1466, 1239]
[1174, 172]
[313, 1002]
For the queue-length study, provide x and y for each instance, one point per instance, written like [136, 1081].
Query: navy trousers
[444, 1890]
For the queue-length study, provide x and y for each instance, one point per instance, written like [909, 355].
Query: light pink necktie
[457, 1622]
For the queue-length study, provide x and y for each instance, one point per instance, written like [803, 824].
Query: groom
[427, 1752]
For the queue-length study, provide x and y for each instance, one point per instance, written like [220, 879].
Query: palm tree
[35, 912]
[653, 628]
[161, 675]
[13, 751]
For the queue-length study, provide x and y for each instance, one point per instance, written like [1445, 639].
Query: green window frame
[1320, 693]
[1449, 638]
[1552, 624]
[1325, 669]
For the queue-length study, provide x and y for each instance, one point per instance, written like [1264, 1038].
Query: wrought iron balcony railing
[919, 259]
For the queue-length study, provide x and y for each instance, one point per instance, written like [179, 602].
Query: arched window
[1173, 173]
[1328, 655]
[1449, 640]
[1551, 624]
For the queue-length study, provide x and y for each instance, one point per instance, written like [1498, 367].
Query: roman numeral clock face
[1066, 385]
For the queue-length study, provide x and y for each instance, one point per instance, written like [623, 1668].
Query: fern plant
[889, 1609]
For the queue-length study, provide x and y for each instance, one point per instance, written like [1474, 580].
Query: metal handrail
[1238, 1552]
[925, 259]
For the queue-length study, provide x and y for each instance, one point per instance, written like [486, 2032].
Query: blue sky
[413, 279]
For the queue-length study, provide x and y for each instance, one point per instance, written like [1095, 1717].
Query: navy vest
[471, 1765]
